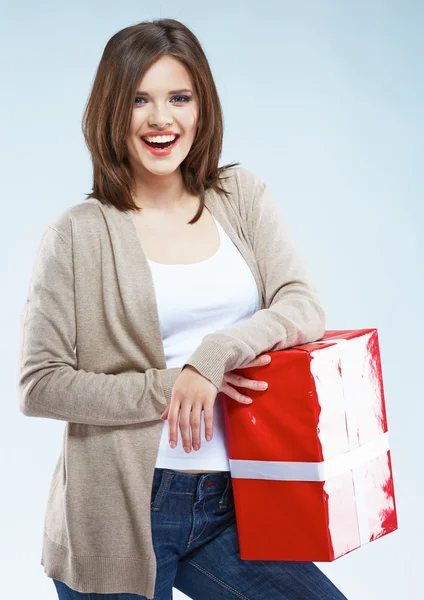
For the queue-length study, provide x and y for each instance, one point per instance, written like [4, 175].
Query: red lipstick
[153, 133]
[166, 151]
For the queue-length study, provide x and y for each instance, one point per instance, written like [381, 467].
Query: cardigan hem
[98, 574]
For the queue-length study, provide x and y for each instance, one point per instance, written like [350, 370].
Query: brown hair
[107, 115]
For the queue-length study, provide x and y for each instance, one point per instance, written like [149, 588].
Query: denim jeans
[195, 540]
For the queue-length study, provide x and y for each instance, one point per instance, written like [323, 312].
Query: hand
[195, 412]
[191, 393]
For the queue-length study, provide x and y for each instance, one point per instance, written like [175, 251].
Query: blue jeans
[195, 539]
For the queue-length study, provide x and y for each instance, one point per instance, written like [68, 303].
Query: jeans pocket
[159, 491]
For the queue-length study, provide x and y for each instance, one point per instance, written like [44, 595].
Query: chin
[161, 169]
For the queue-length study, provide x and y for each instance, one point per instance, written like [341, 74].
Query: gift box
[309, 458]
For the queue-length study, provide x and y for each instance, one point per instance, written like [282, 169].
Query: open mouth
[161, 145]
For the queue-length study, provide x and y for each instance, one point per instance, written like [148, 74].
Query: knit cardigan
[92, 356]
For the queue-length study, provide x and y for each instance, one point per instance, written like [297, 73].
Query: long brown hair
[107, 116]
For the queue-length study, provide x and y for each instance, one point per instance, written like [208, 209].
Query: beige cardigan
[92, 356]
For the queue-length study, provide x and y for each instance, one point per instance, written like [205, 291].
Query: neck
[161, 192]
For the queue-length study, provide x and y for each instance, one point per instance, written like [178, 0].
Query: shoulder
[242, 183]
[87, 212]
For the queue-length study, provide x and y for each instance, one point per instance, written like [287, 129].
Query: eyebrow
[171, 92]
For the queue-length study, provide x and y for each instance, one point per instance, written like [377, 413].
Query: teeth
[160, 138]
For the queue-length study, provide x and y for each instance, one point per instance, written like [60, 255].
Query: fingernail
[263, 386]
[196, 446]
[172, 444]
[187, 449]
[208, 437]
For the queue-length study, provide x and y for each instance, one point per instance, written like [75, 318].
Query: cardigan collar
[133, 268]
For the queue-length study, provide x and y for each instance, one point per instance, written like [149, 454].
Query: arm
[50, 385]
[294, 314]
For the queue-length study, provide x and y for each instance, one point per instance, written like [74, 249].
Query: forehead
[166, 74]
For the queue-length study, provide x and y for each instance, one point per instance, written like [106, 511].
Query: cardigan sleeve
[50, 384]
[293, 313]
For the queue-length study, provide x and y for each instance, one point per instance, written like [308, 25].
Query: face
[156, 110]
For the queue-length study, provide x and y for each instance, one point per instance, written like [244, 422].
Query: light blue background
[323, 100]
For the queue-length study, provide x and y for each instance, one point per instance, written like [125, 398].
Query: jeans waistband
[196, 483]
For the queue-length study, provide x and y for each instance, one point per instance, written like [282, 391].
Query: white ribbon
[309, 471]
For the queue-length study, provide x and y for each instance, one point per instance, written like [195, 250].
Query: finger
[241, 381]
[195, 420]
[208, 417]
[232, 393]
[185, 416]
[264, 359]
[164, 415]
[173, 414]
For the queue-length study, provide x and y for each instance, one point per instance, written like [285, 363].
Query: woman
[143, 300]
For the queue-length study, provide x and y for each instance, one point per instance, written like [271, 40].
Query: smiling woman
[174, 273]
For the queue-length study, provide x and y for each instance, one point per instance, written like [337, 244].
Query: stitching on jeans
[158, 497]
[222, 583]
[194, 525]
[204, 527]
[224, 501]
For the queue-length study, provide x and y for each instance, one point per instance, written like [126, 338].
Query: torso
[190, 243]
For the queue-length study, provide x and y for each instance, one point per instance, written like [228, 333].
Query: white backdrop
[323, 100]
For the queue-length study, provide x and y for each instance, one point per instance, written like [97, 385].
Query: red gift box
[309, 458]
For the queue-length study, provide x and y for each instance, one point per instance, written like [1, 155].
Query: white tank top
[194, 300]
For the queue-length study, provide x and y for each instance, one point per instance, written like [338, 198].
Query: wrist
[192, 369]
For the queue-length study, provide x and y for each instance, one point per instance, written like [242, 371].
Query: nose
[160, 118]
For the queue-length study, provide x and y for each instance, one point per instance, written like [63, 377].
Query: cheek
[191, 122]
[136, 123]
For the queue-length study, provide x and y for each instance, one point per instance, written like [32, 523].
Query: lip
[154, 133]
[159, 151]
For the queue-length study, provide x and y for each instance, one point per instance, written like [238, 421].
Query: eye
[184, 98]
